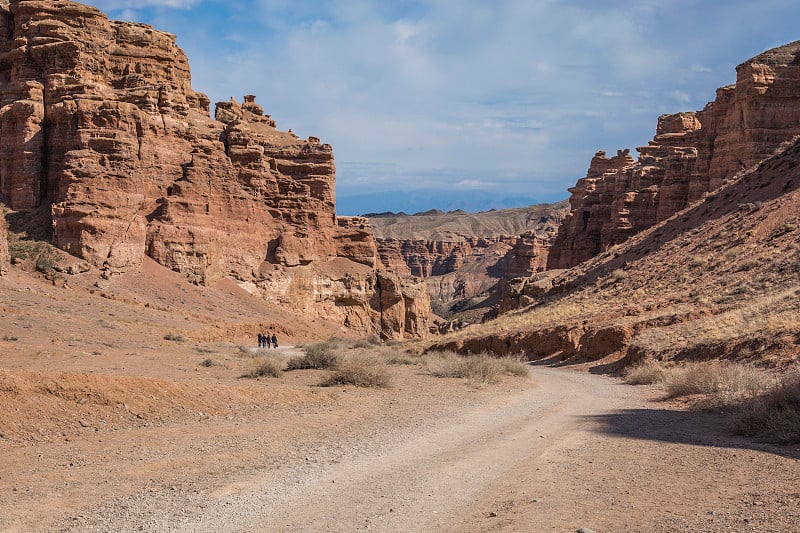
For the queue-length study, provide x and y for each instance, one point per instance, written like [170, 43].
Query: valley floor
[557, 452]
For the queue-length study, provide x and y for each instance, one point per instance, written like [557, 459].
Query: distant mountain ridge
[460, 226]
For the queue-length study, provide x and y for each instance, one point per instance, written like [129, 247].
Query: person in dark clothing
[274, 341]
[266, 341]
[260, 340]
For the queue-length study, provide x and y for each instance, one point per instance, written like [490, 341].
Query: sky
[466, 104]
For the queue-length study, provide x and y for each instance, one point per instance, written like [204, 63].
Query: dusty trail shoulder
[568, 450]
[418, 477]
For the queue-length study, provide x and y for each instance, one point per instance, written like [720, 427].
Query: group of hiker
[267, 341]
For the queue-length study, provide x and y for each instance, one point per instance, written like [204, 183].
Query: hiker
[266, 341]
[260, 340]
[274, 341]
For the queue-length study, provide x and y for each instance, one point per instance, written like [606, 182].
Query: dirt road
[565, 451]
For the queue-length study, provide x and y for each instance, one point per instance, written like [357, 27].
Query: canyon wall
[464, 255]
[99, 120]
[690, 155]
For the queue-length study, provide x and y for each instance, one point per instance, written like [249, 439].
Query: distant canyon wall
[99, 120]
[462, 255]
[690, 155]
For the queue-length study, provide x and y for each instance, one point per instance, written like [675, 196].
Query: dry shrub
[402, 359]
[249, 351]
[647, 372]
[358, 371]
[775, 414]
[483, 368]
[320, 356]
[367, 342]
[726, 381]
[264, 368]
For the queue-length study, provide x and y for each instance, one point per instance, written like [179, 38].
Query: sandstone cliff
[100, 121]
[690, 155]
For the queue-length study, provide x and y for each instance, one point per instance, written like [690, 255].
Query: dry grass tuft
[264, 368]
[726, 381]
[775, 414]
[647, 372]
[360, 372]
[481, 368]
[320, 356]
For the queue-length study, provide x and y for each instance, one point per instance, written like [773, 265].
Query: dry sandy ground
[555, 453]
[105, 425]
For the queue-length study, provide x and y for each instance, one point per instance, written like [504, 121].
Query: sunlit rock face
[99, 120]
[690, 155]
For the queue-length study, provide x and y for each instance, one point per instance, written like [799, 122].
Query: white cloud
[474, 184]
[700, 69]
[681, 97]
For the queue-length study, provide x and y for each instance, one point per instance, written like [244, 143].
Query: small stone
[492, 514]
[585, 530]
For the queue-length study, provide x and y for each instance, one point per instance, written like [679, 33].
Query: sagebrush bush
[359, 372]
[774, 414]
[264, 368]
[646, 372]
[320, 356]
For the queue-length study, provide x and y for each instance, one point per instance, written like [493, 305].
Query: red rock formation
[528, 255]
[690, 155]
[464, 255]
[99, 120]
[433, 258]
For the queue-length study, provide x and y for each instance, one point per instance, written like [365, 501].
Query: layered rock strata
[464, 255]
[99, 120]
[690, 155]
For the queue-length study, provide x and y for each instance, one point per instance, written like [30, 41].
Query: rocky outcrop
[464, 255]
[690, 155]
[523, 277]
[100, 121]
[435, 258]
[5, 258]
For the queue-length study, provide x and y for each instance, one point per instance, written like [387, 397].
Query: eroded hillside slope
[718, 279]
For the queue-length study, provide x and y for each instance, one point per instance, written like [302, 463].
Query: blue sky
[465, 103]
